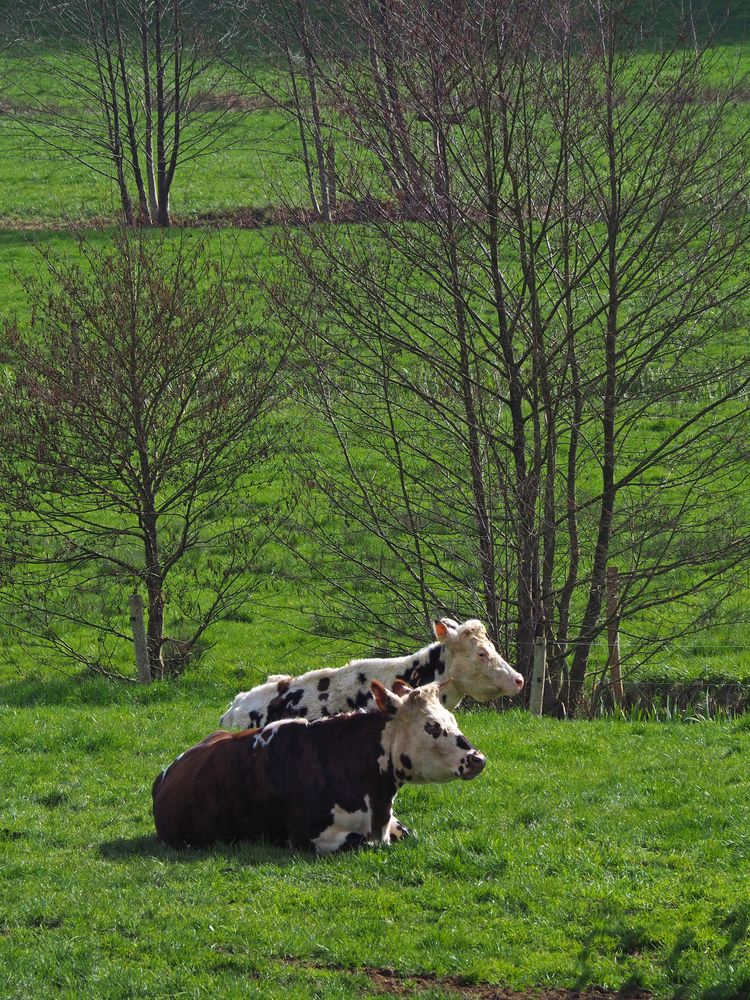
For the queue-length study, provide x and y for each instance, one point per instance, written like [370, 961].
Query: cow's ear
[386, 700]
[401, 688]
[444, 628]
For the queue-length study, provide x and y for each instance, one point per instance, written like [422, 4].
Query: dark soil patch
[389, 982]
[394, 984]
[349, 211]
[690, 700]
[365, 210]
[704, 697]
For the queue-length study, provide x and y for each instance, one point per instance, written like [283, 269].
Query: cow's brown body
[237, 786]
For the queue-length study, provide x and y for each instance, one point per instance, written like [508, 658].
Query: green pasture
[604, 853]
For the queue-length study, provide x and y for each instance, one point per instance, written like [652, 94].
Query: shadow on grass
[71, 690]
[75, 690]
[611, 933]
[240, 855]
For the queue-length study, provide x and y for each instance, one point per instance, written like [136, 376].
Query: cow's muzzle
[474, 765]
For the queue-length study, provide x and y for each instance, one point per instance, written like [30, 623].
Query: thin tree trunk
[130, 120]
[401, 134]
[162, 192]
[303, 137]
[177, 97]
[155, 592]
[325, 204]
[601, 553]
[394, 168]
[482, 517]
[148, 142]
[525, 628]
[108, 84]
[526, 479]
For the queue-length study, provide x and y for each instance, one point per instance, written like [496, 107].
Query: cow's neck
[428, 665]
[433, 663]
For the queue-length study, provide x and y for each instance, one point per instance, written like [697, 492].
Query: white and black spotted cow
[327, 785]
[463, 656]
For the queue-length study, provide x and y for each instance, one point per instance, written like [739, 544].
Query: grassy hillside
[281, 629]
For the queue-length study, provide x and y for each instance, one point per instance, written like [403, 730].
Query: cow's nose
[519, 682]
[475, 762]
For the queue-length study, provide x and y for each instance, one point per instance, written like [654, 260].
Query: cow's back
[217, 791]
[320, 693]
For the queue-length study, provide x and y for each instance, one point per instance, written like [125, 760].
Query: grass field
[588, 853]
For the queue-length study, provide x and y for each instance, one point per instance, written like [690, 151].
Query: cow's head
[424, 741]
[477, 669]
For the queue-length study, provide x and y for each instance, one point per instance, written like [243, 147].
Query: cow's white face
[477, 669]
[424, 741]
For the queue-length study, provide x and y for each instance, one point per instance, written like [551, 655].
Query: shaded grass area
[608, 853]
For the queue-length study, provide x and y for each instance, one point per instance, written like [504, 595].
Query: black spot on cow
[301, 712]
[324, 683]
[361, 679]
[360, 701]
[433, 728]
[255, 719]
[418, 674]
[406, 761]
[284, 705]
[436, 661]
[353, 842]
[400, 775]
[324, 711]
[323, 696]
[283, 686]
[462, 742]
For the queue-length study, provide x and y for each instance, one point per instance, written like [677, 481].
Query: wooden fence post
[536, 695]
[139, 639]
[331, 169]
[613, 635]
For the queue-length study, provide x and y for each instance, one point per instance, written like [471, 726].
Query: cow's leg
[397, 830]
[347, 830]
[334, 839]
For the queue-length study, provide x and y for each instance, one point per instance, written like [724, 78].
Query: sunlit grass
[607, 853]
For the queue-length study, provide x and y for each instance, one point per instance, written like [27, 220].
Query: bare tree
[292, 80]
[539, 378]
[136, 92]
[134, 437]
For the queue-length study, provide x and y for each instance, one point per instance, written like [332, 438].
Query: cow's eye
[482, 654]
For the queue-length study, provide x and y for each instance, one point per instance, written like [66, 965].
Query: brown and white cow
[327, 785]
[463, 656]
